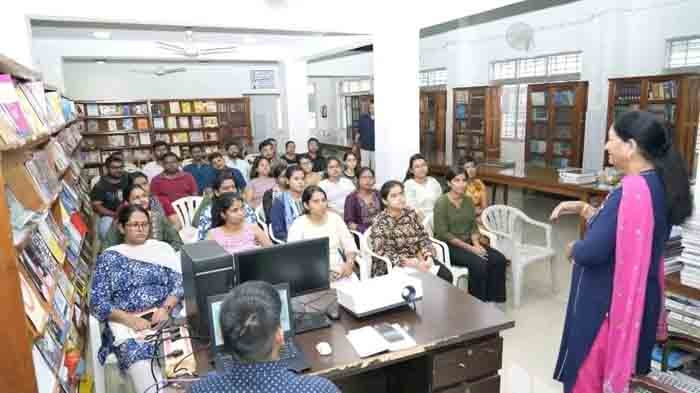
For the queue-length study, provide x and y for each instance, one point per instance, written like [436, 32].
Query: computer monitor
[207, 270]
[303, 264]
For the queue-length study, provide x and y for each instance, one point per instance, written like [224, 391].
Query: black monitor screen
[303, 264]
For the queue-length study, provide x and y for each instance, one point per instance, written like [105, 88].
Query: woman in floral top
[398, 235]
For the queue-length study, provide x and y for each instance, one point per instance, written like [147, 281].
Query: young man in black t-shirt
[106, 195]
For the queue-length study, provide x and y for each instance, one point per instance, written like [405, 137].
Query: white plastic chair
[442, 252]
[508, 225]
[369, 255]
[272, 235]
[260, 218]
[186, 161]
[101, 372]
[185, 209]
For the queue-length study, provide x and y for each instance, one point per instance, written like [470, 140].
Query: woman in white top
[422, 191]
[336, 186]
[317, 222]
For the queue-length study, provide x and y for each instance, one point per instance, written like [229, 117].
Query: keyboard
[676, 380]
[305, 322]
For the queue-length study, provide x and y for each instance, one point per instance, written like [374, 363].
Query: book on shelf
[93, 126]
[666, 90]
[133, 139]
[142, 155]
[93, 156]
[116, 141]
[538, 147]
[179, 137]
[186, 107]
[109, 110]
[104, 155]
[211, 149]
[564, 98]
[238, 107]
[172, 122]
[157, 109]
[139, 109]
[210, 106]
[142, 124]
[34, 92]
[56, 108]
[43, 174]
[40, 275]
[196, 136]
[127, 124]
[183, 122]
[111, 125]
[91, 110]
[144, 138]
[460, 111]
[538, 98]
[50, 350]
[211, 136]
[32, 306]
[210, 121]
[199, 107]
[163, 137]
[176, 150]
[58, 155]
[174, 107]
[158, 123]
[36, 126]
[628, 92]
[196, 122]
[124, 109]
[8, 132]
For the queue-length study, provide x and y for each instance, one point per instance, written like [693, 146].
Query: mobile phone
[389, 332]
[147, 316]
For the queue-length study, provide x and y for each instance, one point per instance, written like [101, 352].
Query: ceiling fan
[160, 71]
[191, 49]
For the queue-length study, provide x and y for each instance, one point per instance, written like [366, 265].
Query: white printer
[363, 298]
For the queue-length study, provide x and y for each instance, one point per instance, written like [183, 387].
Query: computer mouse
[333, 312]
[324, 349]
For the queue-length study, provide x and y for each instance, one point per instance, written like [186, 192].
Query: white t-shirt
[422, 197]
[337, 192]
[334, 229]
[152, 169]
[242, 165]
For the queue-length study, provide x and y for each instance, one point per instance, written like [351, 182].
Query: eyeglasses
[117, 167]
[138, 225]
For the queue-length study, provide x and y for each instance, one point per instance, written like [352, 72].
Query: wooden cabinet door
[493, 123]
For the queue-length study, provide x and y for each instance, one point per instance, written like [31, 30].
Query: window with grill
[513, 111]
[683, 52]
[503, 70]
[355, 86]
[433, 77]
[536, 66]
[568, 63]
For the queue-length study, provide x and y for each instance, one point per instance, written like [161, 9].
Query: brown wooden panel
[467, 362]
[493, 123]
[491, 384]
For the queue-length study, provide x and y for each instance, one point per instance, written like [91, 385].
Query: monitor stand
[307, 321]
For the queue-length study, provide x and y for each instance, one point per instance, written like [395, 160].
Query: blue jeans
[104, 225]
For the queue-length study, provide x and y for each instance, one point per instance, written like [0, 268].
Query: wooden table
[539, 179]
[458, 349]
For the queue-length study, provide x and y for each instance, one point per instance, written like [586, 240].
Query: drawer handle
[467, 390]
[462, 365]
[470, 352]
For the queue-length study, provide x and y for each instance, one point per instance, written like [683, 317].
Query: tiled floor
[531, 348]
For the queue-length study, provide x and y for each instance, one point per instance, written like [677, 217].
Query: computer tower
[207, 270]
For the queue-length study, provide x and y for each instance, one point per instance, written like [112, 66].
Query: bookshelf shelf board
[195, 143]
[116, 117]
[92, 164]
[164, 130]
[563, 106]
[189, 114]
[9, 66]
[660, 101]
[121, 132]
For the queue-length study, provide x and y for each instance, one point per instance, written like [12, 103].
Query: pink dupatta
[613, 356]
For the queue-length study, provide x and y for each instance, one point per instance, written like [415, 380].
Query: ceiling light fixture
[249, 40]
[100, 61]
[102, 35]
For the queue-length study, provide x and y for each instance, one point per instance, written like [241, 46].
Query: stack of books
[683, 314]
[690, 275]
[673, 251]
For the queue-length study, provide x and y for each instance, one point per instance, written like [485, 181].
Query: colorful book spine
[10, 102]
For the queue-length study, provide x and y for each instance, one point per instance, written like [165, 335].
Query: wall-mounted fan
[520, 36]
[160, 71]
[192, 49]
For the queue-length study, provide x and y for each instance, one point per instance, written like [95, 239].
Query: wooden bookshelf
[674, 98]
[182, 123]
[355, 105]
[476, 124]
[19, 187]
[433, 105]
[555, 127]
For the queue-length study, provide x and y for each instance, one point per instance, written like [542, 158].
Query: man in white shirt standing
[234, 159]
[155, 167]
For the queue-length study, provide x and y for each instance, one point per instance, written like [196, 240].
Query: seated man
[219, 164]
[200, 169]
[106, 195]
[252, 331]
[173, 183]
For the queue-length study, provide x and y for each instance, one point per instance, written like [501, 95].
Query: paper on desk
[367, 341]
[408, 270]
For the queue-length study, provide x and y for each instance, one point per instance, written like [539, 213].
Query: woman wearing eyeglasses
[137, 286]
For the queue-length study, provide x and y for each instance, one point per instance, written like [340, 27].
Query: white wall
[616, 37]
[114, 81]
[361, 64]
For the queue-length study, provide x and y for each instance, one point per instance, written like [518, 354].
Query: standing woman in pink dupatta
[615, 310]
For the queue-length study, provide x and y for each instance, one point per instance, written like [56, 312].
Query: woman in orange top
[476, 189]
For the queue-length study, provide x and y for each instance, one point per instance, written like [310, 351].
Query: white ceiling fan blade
[166, 45]
[222, 49]
[173, 70]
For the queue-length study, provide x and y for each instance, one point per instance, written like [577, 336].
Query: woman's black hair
[222, 177]
[328, 161]
[221, 204]
[135, 175]
[254, 169]
[278, 170]
[453, 172]
[130, 187]
[414, 158]
[291, 169]
[249, 319]
[348, 154]
[386, 189]
[362, 170]
[309, 193]
[656, 145]
[127, 211]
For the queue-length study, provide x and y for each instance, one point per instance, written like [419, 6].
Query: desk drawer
[467, 362]
[489, 385]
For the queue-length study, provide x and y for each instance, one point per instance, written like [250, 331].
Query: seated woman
[157, 203]
[476, 189]
[455, 224]
[318, 222]
[311, 178]
[351, 171]
[160, 229]
[288, 206]
[229, 228]
[141, 275]
[336, 187]
[398, 235]
[202, 216]
[421, 190]
[279, 172]
[362, 206]
[260, 182]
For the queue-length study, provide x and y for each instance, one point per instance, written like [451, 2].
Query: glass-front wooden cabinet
[432, 127]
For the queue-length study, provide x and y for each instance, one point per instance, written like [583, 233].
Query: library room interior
[333, 196]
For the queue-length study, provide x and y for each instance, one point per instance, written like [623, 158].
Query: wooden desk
[539, 179]
[459, 346]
